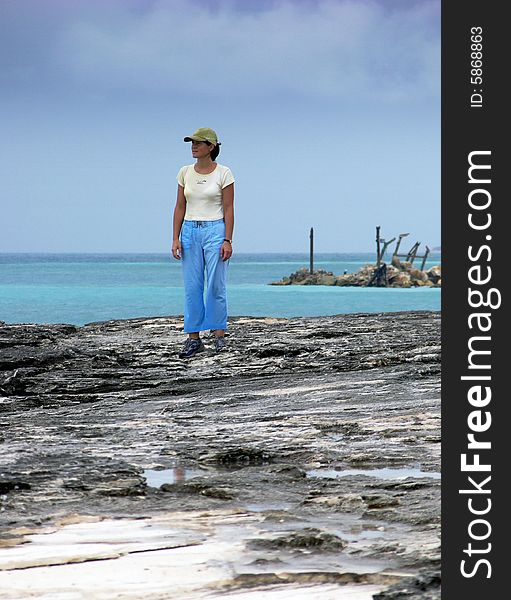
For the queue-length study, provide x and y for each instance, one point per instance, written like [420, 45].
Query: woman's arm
[228, 203]
[179, 215]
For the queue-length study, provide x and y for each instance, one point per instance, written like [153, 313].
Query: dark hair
[216, 150]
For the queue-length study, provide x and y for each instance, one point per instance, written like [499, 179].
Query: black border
[466, 129]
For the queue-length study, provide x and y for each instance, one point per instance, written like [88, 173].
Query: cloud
[329, 49]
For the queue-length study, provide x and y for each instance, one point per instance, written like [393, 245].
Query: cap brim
[196, 139]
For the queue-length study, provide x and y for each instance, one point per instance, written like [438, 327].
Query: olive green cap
[203, 134]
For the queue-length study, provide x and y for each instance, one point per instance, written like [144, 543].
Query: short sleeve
[181, 176]
[227, 177]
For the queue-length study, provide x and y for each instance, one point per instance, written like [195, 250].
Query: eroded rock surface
[319, 438]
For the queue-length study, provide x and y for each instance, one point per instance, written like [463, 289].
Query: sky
[328, 112]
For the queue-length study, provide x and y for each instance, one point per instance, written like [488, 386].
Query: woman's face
[201, 149]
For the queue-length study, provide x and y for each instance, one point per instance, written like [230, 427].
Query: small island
[399, 274]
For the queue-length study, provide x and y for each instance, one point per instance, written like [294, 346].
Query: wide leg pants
[201, 242]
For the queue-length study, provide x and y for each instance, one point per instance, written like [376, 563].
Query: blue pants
[201, 242]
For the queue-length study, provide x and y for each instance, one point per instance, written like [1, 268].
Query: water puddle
[363, 535]
[157, 477]
[381, 473]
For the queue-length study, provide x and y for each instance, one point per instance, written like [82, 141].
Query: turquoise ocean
[82, 288]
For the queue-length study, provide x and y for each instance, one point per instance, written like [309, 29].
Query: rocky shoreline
[304, 461]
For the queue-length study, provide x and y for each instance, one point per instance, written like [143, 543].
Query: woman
[204, 217]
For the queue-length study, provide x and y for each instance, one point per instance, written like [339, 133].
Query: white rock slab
[179, 556]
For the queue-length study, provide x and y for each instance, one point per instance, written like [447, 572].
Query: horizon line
[2, 252]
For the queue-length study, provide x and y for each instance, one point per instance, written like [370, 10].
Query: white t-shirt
[203, 193]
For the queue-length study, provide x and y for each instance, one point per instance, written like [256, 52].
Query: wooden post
[401, 236]
[424, 258]
[311, 256]
[385, 246]
[377, 247]
[413, 251]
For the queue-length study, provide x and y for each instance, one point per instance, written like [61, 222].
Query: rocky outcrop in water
[400, 274]
[304, 459]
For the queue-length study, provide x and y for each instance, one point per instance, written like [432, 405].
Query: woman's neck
[205, 164]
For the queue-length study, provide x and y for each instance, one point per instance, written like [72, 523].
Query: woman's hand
[226, 251]
[177, 249]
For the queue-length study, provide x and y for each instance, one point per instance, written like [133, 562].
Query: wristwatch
[226, 240]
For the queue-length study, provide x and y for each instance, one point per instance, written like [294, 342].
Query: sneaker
[191, 348]
[219, 343]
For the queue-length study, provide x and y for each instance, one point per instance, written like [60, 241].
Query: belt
[203, 223]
